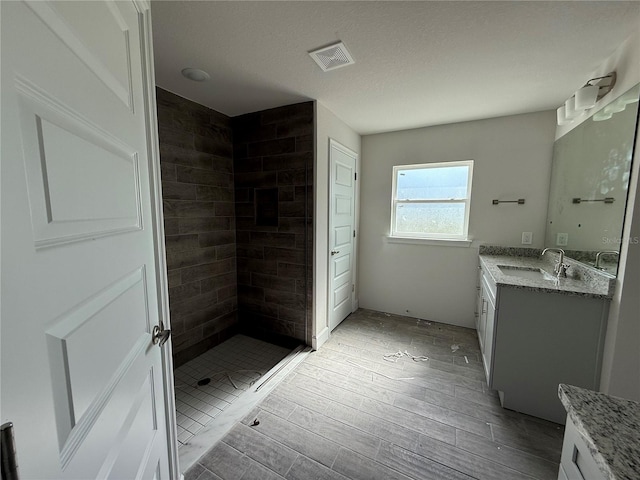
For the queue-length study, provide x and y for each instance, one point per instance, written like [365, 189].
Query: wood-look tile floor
[346, 412]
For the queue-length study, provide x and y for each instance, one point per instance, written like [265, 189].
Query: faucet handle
[562, 269]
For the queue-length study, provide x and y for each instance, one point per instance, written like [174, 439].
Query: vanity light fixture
[585, 98]
[195, 74]
[618, 105]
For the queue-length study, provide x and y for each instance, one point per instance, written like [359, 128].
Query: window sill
[466, 243]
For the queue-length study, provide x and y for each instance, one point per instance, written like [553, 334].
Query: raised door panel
[92, 346]
[97, 33]
[341, 236]
[83, 182]
[344, 175]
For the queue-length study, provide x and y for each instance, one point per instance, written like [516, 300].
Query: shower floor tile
[233, 367]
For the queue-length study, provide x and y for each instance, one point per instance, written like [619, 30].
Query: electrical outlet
[562, 239]
[527, 238]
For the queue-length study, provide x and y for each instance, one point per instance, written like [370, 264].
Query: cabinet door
[577, 463]
[482, 319]
[478, 306]
[487, 351]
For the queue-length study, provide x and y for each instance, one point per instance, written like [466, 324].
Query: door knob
[160, 335]
[333, 252]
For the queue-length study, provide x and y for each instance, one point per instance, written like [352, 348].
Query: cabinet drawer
[576, 462]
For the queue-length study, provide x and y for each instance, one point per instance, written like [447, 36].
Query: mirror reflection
[589, 184]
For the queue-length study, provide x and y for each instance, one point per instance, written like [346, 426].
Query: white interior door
[82, 381]
[342, 170]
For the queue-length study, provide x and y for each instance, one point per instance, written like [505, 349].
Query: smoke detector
[332, 56]
[195, 74]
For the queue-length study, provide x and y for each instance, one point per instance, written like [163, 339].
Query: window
[431, 201]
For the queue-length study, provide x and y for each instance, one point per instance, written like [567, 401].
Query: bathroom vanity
[537, 331]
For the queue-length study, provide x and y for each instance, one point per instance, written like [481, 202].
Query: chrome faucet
[604, 252]
[560, 268]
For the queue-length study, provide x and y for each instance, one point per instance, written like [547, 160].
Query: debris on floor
[394, 357]
[455, 348]
[232, 382]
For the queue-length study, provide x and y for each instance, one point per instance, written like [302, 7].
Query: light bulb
[586, 97]
[561, 114]
[570, 108]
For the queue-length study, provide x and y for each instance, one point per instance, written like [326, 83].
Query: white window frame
[464, 236]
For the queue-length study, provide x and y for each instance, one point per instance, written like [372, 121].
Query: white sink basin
[530, 273]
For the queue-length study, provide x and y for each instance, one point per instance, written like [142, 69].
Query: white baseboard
[321, 338]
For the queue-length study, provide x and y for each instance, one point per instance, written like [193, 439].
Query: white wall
[512, 160]
[621, 362]
[327, 126]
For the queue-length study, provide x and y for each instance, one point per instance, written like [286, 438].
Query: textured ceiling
[417, 63]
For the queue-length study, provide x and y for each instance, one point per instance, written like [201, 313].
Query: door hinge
[355, 175]
[9, 460]
[353, 287]
[354, 234]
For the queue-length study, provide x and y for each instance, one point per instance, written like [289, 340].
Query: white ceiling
[417, 63]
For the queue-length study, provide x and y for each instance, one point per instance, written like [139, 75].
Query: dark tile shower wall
[273, 164]
[196, 157]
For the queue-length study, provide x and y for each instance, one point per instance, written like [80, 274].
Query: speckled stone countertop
[581, 279]
[611, 428]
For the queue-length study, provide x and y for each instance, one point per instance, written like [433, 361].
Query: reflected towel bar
[520, 201]
[605, 200]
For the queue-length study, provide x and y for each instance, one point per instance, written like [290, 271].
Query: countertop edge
[610, 428]
[602, 463]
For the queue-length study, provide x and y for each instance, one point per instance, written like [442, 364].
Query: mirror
[589, 184]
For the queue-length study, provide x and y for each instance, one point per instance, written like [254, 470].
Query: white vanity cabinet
[485, 321]
[577, 463]
[534, 339]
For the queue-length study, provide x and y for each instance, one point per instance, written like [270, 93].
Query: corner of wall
[328, 125]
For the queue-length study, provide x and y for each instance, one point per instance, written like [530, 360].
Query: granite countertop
[580, 280]
[611, 428]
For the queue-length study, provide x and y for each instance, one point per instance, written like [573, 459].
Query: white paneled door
[82, 269]
[342, 170]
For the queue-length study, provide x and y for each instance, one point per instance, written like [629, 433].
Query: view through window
[432, 200]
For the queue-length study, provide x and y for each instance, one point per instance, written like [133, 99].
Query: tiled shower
[237, 198]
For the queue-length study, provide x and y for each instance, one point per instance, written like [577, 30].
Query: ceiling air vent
[332, 57]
